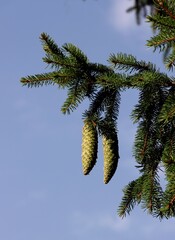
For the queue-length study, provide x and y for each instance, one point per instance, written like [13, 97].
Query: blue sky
[44, 195]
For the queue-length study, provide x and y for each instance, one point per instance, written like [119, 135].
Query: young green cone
[89, 146]
[111, 156]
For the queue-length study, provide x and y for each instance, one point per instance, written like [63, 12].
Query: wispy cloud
[32, 196]
[83, 223]
[114, 224]
[124, 22]
[118, 17]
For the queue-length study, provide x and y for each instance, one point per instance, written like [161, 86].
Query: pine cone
[89, 146]
[110, 151]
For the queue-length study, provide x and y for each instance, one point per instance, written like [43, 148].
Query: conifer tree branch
[132, 196]
[154, 114]
[162, 4]
[160, 22]
[62, 79]
[160, 42]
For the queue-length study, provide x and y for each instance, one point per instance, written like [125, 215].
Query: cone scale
[89, 146]
[110, 151]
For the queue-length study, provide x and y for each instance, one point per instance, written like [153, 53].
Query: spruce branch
[154, 114]
[159, 41]
[129, 63]
[60, 78]
[141, 8]
[75, 96]
[131, 196]
[164, 22]
[49, 45]
[161, 22]
[39, 79]
[166, 7]
[76, 53]
[152, 193]
[170, 60]
[168, 205]
[167, 113]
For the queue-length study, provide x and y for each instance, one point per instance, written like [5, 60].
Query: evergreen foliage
[154, 147]
[141, 8]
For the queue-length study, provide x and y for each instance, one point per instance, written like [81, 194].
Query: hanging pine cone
[110, 151]
[89, 146]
